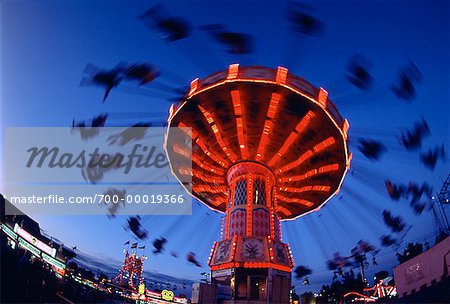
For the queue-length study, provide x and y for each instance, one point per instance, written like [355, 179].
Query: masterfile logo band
[112, 170]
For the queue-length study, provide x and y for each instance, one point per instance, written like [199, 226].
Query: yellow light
[167, 295]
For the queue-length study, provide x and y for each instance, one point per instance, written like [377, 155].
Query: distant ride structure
[267, 146]
[130, 273]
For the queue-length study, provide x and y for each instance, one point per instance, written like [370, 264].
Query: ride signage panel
[53, 261]
[29, 247]
[34, 241]
[9, 232]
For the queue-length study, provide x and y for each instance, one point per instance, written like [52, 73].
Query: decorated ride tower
[267, 146]
[130, 273]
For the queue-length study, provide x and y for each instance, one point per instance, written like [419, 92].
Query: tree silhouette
[336, 290]
[412, 250]
[380, 275]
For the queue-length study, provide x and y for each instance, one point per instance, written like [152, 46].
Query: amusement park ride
[380, 290]
[267, 146]
[131, 272]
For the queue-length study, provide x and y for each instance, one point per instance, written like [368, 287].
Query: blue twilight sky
[45, 46]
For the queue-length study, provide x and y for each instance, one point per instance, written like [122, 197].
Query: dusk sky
[46, 45]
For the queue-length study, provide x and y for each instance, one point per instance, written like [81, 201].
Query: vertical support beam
[250, 185]
[233, 285]
[249, 287]
[268, 188]
[223, 224]
[230, 205]
[269, 291]
[363, 275]
[274, 216]
[272, 224]
[270, 205]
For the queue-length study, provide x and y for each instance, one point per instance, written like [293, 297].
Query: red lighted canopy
[266, 116]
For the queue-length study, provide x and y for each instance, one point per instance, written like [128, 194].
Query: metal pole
[363, 275]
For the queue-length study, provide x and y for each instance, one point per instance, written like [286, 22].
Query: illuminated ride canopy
[266, 146]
